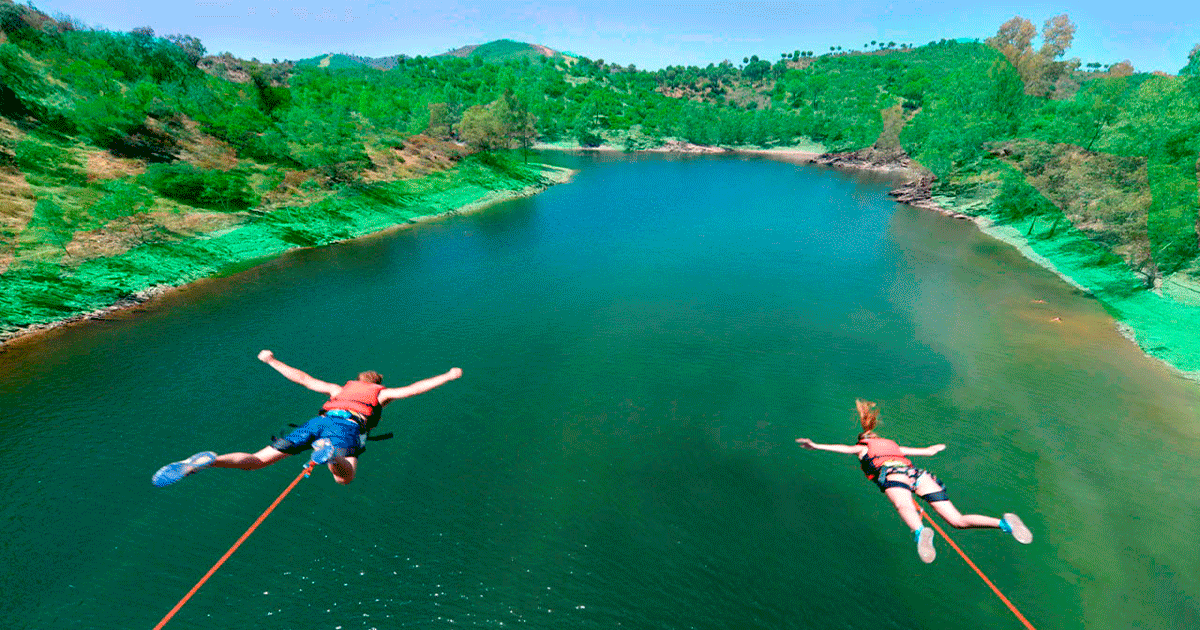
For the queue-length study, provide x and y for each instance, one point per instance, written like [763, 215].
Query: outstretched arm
[928, 450]
[296, 376]
[848, 449]
[420, 387]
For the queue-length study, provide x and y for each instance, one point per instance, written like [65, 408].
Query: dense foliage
[225, 135]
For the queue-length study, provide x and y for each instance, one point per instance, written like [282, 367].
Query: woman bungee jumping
[886, 463]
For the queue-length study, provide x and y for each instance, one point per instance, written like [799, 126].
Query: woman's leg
[902, 499]
[927, 484]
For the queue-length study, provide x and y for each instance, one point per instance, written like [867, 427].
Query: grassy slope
[37, 294]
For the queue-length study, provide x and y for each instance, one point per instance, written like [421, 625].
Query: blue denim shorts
[345, 434]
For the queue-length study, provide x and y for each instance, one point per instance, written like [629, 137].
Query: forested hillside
[122, 146]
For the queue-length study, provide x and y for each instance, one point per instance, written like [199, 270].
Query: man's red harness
[360, 399]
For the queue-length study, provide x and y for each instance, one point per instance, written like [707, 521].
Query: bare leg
[249, 461]
[947, 511]
[903, 500]
[343, 469]
[963, 521]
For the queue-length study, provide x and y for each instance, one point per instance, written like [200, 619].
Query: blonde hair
[371, 376]
[868, 416]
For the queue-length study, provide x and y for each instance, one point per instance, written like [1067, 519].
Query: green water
[640, 347]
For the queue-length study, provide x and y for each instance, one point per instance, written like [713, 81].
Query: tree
[1191, 72]
[439, 121]
[1057, 34]
[1192, 69]
[482, 129]
[1040, 70]
[191, 47]
[1122, 69]
[1105, 106]
[52, 225]
[520, 123]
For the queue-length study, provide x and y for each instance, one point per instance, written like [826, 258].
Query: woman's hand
[806, 443]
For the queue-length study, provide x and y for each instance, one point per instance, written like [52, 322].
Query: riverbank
[1159, 321]
[35, 303]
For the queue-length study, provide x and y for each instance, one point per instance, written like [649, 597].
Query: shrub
[215, 189]
[48, 164]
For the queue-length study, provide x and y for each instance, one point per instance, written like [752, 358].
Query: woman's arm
[928, 450]
[848, 449]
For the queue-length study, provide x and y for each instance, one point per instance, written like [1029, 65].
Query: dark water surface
[640, 347]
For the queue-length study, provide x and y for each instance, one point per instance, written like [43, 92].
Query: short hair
[371, 376]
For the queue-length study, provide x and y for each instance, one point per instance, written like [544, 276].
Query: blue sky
[1152, 34]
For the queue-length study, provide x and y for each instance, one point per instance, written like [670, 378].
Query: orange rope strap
[995, 590]
[304, 473]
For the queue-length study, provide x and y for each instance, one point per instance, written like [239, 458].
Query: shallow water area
[640, 347]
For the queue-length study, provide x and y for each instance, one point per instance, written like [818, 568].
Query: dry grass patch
[420, 155]
[17, 200]
[203, 150]
[102, 165]
[294, 186]
[1106, 196]
[167, 221]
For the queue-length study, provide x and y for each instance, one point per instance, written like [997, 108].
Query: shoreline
[917, 192]
[552, 175]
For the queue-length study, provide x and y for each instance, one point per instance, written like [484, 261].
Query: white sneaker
[1018, 528]
[925, 548]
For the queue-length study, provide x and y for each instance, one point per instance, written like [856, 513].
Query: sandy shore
[553, 175]
[679, 146]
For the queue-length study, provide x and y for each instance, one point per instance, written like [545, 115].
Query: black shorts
[914, 476]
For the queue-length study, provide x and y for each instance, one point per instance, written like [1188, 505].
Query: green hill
[340, 61]
[505, 50]
[120, 149]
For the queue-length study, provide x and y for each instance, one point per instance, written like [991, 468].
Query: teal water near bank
[640, 348]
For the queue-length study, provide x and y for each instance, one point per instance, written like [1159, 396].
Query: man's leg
[343, 469]
[250, 461]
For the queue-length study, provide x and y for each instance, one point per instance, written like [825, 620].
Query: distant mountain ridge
[499, 50]
[505, 49]
[340, 61]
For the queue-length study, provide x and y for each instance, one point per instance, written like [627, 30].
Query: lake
[640, 347]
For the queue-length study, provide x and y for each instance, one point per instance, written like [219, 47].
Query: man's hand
[265, 356]
[806, 443]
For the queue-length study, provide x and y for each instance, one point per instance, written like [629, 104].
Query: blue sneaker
[171, 473]
[323, 451]
[1012, 524]
[925, 550]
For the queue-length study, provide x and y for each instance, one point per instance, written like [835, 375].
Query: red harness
[360, 399]
[881, 453]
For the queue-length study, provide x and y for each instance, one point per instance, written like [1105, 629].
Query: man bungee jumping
[337, 436]
[886, 463]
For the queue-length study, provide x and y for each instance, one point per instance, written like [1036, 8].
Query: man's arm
[296, 376]
[847, 449]
[420, 387]
[928, 450]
